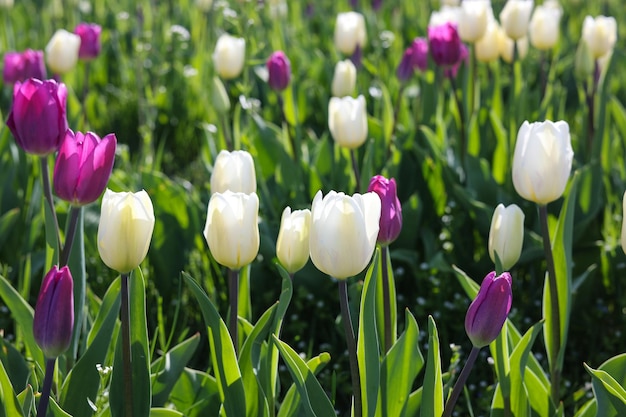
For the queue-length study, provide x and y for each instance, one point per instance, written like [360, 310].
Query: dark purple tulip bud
[445, 44]
[405, 69]
[89, 40]
[390, 209]
[489, 310]
[54, 313]
[377, 4]
[20, 66]
[279, 69]
[38, 118]
[454, 69]
[83, 166]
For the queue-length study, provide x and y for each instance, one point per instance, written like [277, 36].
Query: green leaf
[27, 399]
[245, 303]
[167, 369]
[413, 404]
[610, 395]
[9, 406]
[55, 410]
[292, 405]
[77, 266]
[16, 367]
[432, 389]
[7, 221]
[165, 412]
[393, 308]
[520, 405]
[196, 394]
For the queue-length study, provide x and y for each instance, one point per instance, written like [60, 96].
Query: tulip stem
[351, 342]
[69, 238]
[460, 383]
[355, 168]
[233, 292]
[126, 358]
[386, 299]
[590, 98]
[226, 131]
[396, 110]
[47, 190]
[555, 328]
[42, 409]
[459, 105]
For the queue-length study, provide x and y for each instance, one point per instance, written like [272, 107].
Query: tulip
[623, 235]
[20, 66]
[390, 209]
[53, 322]
[6, 4]
[473, 19]
[232, 230]
[447, 14]
[486, 48]
[415, 57]
[125, 229]
[515, 17]
[506, 235]
[350, 32]
[600, 33]
[89, 40]
[62, 51]
[451, 71]
[229, 56]
[38, 115]
[445, 44]
[292, 246]
[83, 166]
[277, 8]
[343, 232]
[506, 46]
[233, 171]
[347, 121]
[204, 5]
[543, 30]
[344, 79]
[542, 160]
[488, 312]
[279, 69]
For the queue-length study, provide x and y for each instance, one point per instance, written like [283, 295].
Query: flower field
[312, 208]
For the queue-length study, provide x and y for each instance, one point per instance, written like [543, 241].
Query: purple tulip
[83, 166]
[20, 66]
[445, 44]
[454, 69]
[390, 210]
[38, 118]
[89, 40]
[54, 312]
[489, 310]
[415, 57]
[279, 69]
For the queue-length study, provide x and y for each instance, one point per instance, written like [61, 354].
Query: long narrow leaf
[432, 389]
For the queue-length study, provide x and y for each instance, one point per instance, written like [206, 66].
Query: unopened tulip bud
[445, 44]
[350, 32]
[125, 229]
[233, 171]
[83, 166]
[390, 209]
[89, 40]
[600, 33]
[62, 51]
[344, 79]
[279, 70]
[292, 246]
[231, 229]
[347, 121]
[473, 19]
[506, 235]
[53, 322]
[20, 66]
[343, 232]
[515, 17]
[544, 25]
[204, 5]
[542, 160]
[488, 312]
[415, 57]
[229, 56]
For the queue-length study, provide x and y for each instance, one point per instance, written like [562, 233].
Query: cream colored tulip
[515, 16]
[233, 171]
[506, 45]
[231, 229]
[292, 246]
[350, 32]
[506, 235]
[542, 160]
[62, 51]
[600, 33]
[473, 19]
[229, 56]
[543, 30]
[344, 79]
[487, 47]
[343, 232]
[125, 229]
[204, 5]
[347, 121]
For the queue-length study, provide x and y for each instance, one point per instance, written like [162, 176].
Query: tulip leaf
[432, 389]
[7, 221]
[608, 382]
[380, 299]
[27, 399]
[291, 405]
[520, 405]
[165, 412]
[9, 405]
[16, 367]
[500, 352]
[245, 303]
[223, 357]
[196, 394]
[55, 410]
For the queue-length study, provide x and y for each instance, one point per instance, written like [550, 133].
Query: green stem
[47, 191]
[233, 293]
[47, 386]
[69, 238]
[386, 299]
[460, 383]
[351, 342]
[555, 328]
[226, 130]
[355, 169]
[462, 134]
[126, 359]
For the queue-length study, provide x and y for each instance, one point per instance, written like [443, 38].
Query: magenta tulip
[445, 44]
[415, 57]
[89, 40]
[279, 69]
[489, 310]
[54, 312]
[83, 166]
[451, 71]
[390, 211]
[20, 66]
[38, 118]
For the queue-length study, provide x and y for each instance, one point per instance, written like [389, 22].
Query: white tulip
[506, 235]
[62, 51]
[600, 33]
[473, 20]
[515, 17]
[233, 171]
[292, 246]
[229, 56]
[543, 30]
[344, 79]
[347, 121]
[350, 32]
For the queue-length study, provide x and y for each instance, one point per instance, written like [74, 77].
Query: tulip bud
[233, 171]
[451, 71]
[38, 115]
[543, 30]
[219, 96]
[584, 64]
[344, 79]
[232, 230]
[623, 236]
[415, 57]
[125, 229]
[277, 8]
[62, 51]
[506, 47]
[600, 33]
[292, 246]
[506, 235]
[347, 121]
[473, 19]
[279, 69]
[343, 232]
[83, 166]
[390, 209]
[350, 32]
[486, 48]
[53, 322]
[445, 44]
[20, 66]
[542, 160]
[89, 40]
[6, 4]
[204, 5]
[488, 312]
[515, 17]
[229, 56]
